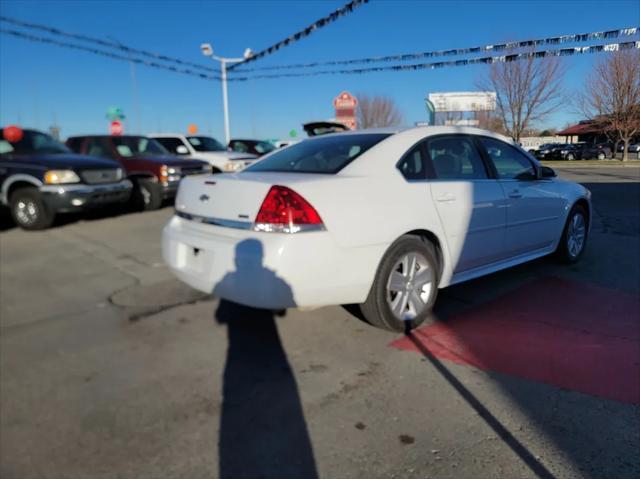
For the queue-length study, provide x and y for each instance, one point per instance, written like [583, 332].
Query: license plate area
[193, 258]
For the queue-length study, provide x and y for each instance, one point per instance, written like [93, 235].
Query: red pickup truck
[154, 172]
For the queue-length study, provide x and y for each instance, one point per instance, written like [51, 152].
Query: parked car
[154, 172]
[632, 148]
[317, 128]
[284, 143]
[40, 177]
[599, 151]
[205, 148]
[569, 152]
[382, 218]
[254, 147]
[544, 151]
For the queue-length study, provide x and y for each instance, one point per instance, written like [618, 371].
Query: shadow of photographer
[263, 432]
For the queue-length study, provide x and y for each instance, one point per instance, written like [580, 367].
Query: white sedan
[382, 218]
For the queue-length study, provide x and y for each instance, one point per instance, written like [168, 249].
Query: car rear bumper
[69, 198]
[269, 270]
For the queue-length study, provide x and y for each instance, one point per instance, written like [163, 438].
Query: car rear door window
[510, 164]
[455, 157]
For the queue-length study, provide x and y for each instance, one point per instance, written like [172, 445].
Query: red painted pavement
[568, 334]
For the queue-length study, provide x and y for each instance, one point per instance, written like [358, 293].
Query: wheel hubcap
[146, 195]
[409, 286]
[26, 212]
[576, 235]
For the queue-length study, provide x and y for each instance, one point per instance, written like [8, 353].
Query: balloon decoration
[192, 129]
[12, 134]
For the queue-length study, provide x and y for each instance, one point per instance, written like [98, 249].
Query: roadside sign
[345, 105]
[116, 128]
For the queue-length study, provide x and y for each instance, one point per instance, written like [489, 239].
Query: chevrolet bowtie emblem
[204, 197]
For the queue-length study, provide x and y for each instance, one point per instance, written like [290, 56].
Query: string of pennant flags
[115, 56]
[611, 47]
[508, 46]
[324, 21]
[104, 43]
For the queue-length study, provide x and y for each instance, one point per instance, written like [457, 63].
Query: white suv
[205, 148]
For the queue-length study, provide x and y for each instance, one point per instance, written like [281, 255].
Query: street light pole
[207, 50]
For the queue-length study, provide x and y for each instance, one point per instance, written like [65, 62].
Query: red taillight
[285, 210]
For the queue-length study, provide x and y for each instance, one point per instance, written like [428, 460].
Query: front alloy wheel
[574, 236]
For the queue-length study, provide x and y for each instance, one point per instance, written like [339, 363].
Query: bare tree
[377, 111]
[612, 96]
[527, 91]
[488, 120]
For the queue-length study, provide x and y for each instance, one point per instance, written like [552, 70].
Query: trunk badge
[204, 197]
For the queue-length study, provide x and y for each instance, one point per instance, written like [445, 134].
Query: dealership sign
[463, 101]
[345, 105]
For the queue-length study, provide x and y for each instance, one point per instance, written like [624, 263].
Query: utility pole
[207, 51]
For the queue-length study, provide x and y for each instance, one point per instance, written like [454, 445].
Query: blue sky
[40, 83]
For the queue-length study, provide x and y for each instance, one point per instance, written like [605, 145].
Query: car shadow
[263, 432]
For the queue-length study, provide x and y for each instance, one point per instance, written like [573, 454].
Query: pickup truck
[154, 172]
[40, 177]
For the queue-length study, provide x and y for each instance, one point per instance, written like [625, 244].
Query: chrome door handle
[515, 194]
[446, 197]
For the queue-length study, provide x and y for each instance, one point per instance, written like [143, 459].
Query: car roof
[423, 130]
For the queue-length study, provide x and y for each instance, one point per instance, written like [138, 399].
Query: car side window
[510, 164]
[172, 144]
[240, 147]
[412, 165]
[456, 158]
[99, 147]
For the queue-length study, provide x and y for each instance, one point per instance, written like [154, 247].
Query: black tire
[215, 171]
[147, 195]
[29, 210]
[564, 251]
[376, 309]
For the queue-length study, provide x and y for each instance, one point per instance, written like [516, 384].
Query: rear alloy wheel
[601, 156]
[571, 157]
[574, 237]
[29, 210]
[405, 286]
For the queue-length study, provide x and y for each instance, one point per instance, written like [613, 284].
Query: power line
[612, 47]
[509, 46]
[104, 43]
[332, 17]
[115, 56]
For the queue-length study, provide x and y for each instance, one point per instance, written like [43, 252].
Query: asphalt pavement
[111, 368]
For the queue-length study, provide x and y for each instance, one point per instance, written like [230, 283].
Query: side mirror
[182, 150]
[548, 172]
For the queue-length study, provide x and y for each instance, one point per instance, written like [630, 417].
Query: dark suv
[155, 173]
[40, 177]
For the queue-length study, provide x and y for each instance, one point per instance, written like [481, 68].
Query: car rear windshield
[323, 155]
